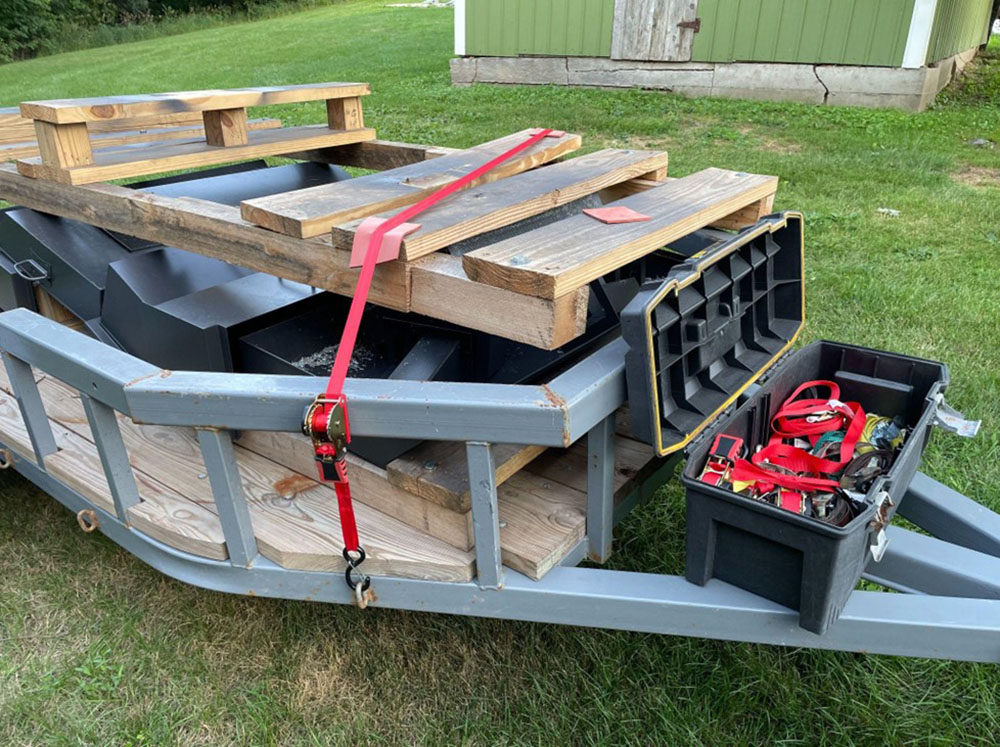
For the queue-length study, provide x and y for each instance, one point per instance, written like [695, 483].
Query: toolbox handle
[36, 273]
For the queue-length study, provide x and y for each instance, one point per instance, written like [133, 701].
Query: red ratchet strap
[804, 418]
[370, 240]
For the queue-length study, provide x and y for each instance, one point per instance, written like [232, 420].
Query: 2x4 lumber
[63, 146]
[507, 201]
[344, 114]
[163, 514]
[440, 288]
[15, 128]
[377, 155]
[228, 127]
[562, 257]
[438, 472]
[102, 108]
[315, 210]
[301, 531]
[739, 220]
[131, 160]
[28, 147]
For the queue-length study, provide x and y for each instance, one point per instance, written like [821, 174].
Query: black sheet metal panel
[73, 256]
[698, 338]
[184, 311]
[798, 561]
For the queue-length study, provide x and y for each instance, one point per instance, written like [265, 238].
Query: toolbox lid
[699, 337]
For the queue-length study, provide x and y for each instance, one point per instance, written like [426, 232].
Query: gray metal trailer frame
[951, 608]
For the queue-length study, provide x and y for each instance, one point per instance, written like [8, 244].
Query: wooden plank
[440, 288]
[63, 146]
[438, 472]
[541, 520]
[562, 257]
[15, 128]
[505, 202]
[741, 219]
[650, 30]
[208, 228]
[634, 461]
[371, 486]
[27, 147]
[163, 514]
[315, 210]
[140, 160]
[378, 155]
[226, 127]
[302, 531]
[103, 108]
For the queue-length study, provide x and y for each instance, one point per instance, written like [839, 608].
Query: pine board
[139, 160]
[301, 531]
[562, 257]
[316, 210]
[438, 472]
[163, 514]
[103, 108]
[507, 201]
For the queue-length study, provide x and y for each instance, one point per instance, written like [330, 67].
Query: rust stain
[251, 593]
[289, 486]
[554, 399]
[142, 378]
[370, 597]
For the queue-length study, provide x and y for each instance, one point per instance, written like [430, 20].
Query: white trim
[460, 28]
[918, 41]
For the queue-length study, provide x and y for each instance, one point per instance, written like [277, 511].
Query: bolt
[430, 466]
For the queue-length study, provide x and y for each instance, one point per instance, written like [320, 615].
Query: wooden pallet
[67, 152]
[487, 290]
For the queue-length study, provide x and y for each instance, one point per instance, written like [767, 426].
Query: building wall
[507, 28]
[958, 25]
[842, 32]
[838, 32]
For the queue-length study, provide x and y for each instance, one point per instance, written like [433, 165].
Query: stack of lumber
[17, 133]
[67, 145]
[414, 518]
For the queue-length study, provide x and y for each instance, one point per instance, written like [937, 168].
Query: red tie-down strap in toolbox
[807, 418]
[376, 240]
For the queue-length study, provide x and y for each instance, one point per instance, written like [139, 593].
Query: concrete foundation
[841, 85]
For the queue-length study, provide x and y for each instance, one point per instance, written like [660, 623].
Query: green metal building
[864, 52]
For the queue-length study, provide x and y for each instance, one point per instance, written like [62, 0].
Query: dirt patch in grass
[774, 146]
[977, 176]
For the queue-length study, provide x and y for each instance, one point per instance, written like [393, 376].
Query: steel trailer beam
[951, 516]
[872, 622]
[918, 564]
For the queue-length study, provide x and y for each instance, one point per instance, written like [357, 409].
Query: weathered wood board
[316, 210]
[139, 160]
[562, 257]
[294, 518]
[507, 201]
[27, 147]
[653, 30]
[103, 108]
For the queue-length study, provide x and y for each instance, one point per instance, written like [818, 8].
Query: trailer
[531, 367]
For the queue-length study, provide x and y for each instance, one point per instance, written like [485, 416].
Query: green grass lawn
[96, 648]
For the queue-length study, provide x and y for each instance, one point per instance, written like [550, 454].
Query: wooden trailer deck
[415, 515]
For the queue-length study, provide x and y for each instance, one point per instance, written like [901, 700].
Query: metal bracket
[36, 274]
[694, 25]
[953, 421]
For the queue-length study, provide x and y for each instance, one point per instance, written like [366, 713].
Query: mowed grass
[97, 648]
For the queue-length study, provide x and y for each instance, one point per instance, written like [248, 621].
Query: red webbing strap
[791, 421]
[349, 337]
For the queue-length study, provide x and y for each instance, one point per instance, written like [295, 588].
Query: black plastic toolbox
[699, 342]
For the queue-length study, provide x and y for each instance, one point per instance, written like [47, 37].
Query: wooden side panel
[653, 30]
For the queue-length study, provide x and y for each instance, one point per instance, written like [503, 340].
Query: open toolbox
[709, 369]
